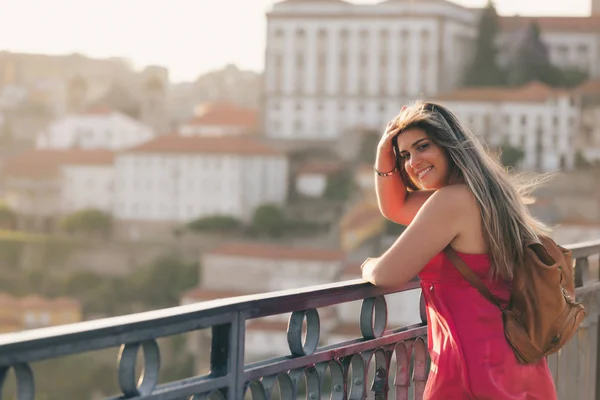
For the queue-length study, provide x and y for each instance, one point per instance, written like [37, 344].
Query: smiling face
[426, 163]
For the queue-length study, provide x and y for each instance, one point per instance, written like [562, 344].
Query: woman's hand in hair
[391, 130]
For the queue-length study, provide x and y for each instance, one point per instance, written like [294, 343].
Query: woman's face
[427, 164]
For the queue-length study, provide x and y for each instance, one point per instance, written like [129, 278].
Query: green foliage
[531, 62]
[339, 186]
[580, 161]
[269, 220]
[88, 222]
[159, 284]
[511, 156]
[484, 71]
[216, 223]
[45, 249]
[368, 147]
[8, 218]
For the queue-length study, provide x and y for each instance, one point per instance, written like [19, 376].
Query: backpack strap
[470, 276]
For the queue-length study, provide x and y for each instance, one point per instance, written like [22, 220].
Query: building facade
[536, 118]
[99, 129]
[332, 66]
[175, 178]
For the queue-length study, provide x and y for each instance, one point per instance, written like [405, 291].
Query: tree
[216, 223]
[484, 71]
[531, 62]
[268, 219]
[89, 222]
[368, 146]
[511, 156]
[339, 186]
[160, 283]
[8, 218]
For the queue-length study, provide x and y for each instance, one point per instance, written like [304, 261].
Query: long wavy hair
[502, 196]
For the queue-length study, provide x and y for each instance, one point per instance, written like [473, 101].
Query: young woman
[449, 192]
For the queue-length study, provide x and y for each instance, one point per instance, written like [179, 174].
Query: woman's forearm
[391, 191]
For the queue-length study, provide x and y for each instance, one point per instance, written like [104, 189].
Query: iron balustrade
[347, 365]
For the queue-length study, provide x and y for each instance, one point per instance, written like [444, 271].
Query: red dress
[470, 357]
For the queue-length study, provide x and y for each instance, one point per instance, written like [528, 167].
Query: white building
[43, 185]
[89, 183]
[177, 178]
[535, 117]
[573, 42]
[312, 177]
[260, 268]
[332, 66]
[101, 129]
[221, 119]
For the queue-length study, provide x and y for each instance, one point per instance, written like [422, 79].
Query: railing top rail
[584, 249]
[109, 332]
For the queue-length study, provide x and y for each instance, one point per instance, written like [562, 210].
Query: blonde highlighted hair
[502, 197]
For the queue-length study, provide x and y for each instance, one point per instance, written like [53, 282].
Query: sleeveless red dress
[470, 357]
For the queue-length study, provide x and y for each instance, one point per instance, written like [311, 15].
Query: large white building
[540, 120]
[178, 178]
[99, 129]
[331, 65]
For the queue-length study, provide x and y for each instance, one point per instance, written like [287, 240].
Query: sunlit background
[157, 153]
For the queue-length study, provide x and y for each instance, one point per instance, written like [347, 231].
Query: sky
[190, 37]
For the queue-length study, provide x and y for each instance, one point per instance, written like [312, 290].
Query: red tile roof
[43, 164]
[239, 145]
[534, 92]
[589, 87]
[225, 114]
[277, 252]
[553, 24]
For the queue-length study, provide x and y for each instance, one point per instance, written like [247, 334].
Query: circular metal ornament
[24, 378]
[373, 317]
[127, 361]
[294, 332]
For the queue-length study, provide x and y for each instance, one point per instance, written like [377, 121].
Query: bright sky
[187, 36]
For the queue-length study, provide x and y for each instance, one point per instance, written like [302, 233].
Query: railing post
[227, 355]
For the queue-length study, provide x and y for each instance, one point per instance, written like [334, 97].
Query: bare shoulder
[456, 198]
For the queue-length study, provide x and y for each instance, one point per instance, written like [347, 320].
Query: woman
[439, 180]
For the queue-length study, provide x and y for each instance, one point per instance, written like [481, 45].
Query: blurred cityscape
[123, 191]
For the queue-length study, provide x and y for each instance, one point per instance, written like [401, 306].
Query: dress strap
[470, 276]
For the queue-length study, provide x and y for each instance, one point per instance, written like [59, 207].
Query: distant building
[34, 311]
[312, 177]
[259, 268]
[177, 178]
[541, 120]
[42, 185]
[95, 129]
[221, 119]
[334, 66]
[573, 43]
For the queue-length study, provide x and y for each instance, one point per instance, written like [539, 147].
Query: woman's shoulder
[457, 195]
[454, 202]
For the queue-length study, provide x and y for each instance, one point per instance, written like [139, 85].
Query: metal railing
[381, 360]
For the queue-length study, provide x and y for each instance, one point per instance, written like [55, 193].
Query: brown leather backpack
[542, 314]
